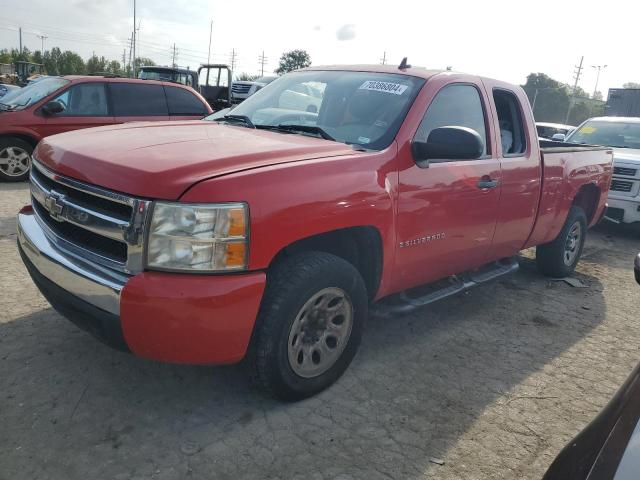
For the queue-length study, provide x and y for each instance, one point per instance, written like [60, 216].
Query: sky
[506, 40]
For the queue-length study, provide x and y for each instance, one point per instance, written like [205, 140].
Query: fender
[329, 194]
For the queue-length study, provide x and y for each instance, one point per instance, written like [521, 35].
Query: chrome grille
[241, 88]
[621, 185]
[98, 225]
[628, 172]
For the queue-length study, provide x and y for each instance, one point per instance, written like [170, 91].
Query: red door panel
[445, 222]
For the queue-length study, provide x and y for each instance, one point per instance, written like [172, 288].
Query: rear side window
[135, 99]
[455, 105]
[84, 100]
[184, 102]
[512, 135]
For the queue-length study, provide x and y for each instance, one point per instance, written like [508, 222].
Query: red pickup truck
[269, 232]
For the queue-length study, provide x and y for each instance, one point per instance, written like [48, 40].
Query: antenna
[403, 64]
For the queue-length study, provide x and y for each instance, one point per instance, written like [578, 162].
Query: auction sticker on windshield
[387, 87]
[587, 130]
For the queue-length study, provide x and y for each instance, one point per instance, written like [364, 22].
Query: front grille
[103, 246]
[99, 225]
[628, 172]
[241, 88]
[621, 185]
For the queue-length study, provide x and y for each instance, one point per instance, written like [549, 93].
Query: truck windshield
[32, 93]
[611, 134]
[357, 108]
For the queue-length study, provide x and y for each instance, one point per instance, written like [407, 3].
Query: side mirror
[52, 107]
[448, 143]
[558, 137]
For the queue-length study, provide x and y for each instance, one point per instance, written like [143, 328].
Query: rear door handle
[487, 182]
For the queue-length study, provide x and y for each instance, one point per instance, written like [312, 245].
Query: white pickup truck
[623, 134]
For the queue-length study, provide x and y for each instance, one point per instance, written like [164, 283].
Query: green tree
[631, 85]
[551, 97]
[144, 61]
[114, 68]
[5, 56]
[96, 65]
[70, 63]
[293, 60]
[245, 77]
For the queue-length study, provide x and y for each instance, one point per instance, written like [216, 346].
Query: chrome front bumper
[96, 285]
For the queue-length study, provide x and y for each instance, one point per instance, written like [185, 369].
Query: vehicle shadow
[73, 408]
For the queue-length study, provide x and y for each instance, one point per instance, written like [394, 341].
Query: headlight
[198, 237]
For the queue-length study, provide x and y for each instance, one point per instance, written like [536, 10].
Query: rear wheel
[310, 324]
[560, 257]
[15, 159]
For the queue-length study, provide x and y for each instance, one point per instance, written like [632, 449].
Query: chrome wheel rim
[320, 332]
[14, 161]
[572, 244]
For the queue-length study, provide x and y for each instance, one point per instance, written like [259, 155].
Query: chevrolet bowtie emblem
[54, 204]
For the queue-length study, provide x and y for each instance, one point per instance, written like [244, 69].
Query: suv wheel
[310, 324]
[15, 159]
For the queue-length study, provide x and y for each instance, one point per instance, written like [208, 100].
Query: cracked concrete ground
[494, 382]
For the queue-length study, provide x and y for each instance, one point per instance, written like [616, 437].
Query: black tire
[291, 283]
[7, 159]
[552, 257]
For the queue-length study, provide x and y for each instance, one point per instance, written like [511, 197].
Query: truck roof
[420, 72]
[617, 119]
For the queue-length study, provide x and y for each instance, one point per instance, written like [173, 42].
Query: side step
[418, 297]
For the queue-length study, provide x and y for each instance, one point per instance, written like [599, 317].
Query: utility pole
[383, 60]
[124, 57]
[577, 73]
[42, 38]
[134, 39]
[597, 67]
[233, 59]
[210, 34]
[20, 35]
[262, 60]
[130, 47]
[173, 61]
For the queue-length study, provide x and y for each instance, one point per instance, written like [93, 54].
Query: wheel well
[27, 138]
[588, 198]
[360, 246]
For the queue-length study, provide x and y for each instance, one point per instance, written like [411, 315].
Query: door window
[184, 102]
[455, 105]
[512, 137]
[84, 100]
[137, 99]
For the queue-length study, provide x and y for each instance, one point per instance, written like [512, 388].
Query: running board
[418, 297]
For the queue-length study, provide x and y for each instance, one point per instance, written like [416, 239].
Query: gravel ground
[493, 382]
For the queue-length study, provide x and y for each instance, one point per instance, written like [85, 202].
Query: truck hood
[163, 159]
[628, 155]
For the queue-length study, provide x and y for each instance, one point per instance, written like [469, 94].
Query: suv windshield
[611, 134]
[358, 108]
[32, 93]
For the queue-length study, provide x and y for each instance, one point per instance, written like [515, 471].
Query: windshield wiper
[300, 128]
[242, 118]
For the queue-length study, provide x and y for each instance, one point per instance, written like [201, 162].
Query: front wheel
[560, 257]
[15, 159]
[310, 324]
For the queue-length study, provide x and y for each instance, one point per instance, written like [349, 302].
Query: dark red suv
[60, 104]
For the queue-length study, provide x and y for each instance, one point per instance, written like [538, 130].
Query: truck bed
[552, 146]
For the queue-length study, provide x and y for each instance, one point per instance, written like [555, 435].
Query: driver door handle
[487, 182]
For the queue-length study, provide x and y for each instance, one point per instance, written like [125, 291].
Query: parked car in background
[60, 104]
[636, 268]
[183, 76]
[6, 88]
[270, 235]
[548, 130]
[609, 447]
[623, 134]
[243, 89]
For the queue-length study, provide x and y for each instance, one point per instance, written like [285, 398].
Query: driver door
[446, 213]
[85, 105]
